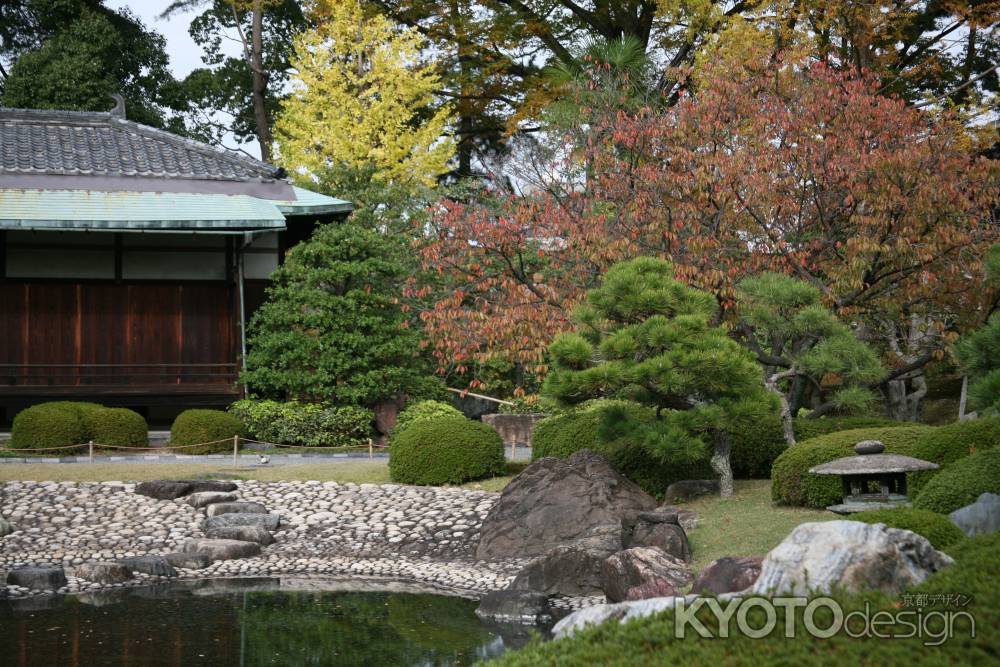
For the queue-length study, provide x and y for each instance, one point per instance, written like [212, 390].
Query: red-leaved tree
[766, 165]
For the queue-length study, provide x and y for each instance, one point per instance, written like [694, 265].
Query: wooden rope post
[370, 450]
[90, 448]
[236, 445]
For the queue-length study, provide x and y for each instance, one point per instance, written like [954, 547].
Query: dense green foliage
[652, 640]
[806, 428]
[799, 341]
[646, 337]
[938, 529]
[793, 485]
[332, 328]
[116, 426]
[961, 483]
[979, 352]
[428, 409]
[46, 425]
[73, 54]
[445, 450]
[308, 424]
[193, 427]
[952, 442]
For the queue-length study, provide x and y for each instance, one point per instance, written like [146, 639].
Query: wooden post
[90, 447]
[370, 449]
[236, 445]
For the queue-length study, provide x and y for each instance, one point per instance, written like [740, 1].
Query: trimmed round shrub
[961, 483]
[950, 443]
[46, 425]
[424, 410]
[562, 435]
[192, 427]
[445, 450]
[938, 529]
[791, 483]
[116, 426]
[806, 429]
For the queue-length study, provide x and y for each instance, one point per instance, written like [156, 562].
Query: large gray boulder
[217, 509]
[192, 561]
[265, 521]
[619, 611]
[641, 573]
[37, 578]
[581, 501]
[728, 575]
[202, 498]
[982, 516]
[164, 489]
[507, 606]
[663, 531]
[850, 556]
[563, 571]
[690, 488]
[222, 549]
[150, 564]
[256, 534]
[103, 573]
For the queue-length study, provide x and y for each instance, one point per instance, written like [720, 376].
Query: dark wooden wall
[110, 324]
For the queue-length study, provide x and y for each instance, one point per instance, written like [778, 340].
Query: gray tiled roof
[105, 144]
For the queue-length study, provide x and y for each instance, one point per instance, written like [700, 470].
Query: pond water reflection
[222, 626]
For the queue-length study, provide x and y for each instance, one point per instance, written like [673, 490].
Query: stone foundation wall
[514, 429]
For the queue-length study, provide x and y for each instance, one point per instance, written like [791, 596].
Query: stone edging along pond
[328, 530]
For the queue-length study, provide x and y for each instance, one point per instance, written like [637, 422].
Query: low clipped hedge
[952, 442]
[961, 483]
[46, 425]
[192, 427]
[424, 410]
[564, 434]
[445, 450]
[791, 483]
[938, 529]
[807, 429]
[116, 426]
[653, 640]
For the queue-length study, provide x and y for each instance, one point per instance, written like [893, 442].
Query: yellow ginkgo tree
[363, 99]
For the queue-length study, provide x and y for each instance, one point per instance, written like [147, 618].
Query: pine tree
[362, 97]
[979, 352]
[646, 337]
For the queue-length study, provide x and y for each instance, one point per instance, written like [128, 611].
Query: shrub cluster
[424, 410]
[445, 450]
[791, 483]
[961, 483]
[938, 529]
[947, 444]
[562, 435]
[652, 640]
[306, 424]
[193, 427]
[67, 423]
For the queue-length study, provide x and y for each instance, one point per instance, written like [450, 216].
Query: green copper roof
[307, 201]
[86, 209]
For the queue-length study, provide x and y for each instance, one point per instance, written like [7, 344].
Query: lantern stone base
[852, 507]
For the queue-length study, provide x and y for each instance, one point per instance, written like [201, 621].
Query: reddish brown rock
[728, 575]
[643, 572]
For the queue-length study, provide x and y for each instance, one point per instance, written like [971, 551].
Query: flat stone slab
[193, 561]
[216, 509]
[266, 521]
[165, 489]
[261, 536]
[37, 578]
[202, 498]
[151, 564]
[103, 573]
[222, 549]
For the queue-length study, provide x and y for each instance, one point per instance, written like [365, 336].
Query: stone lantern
[872, 479]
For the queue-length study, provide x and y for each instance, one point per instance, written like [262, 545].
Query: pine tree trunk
[259, 82]
[787, 425]
[720, 463]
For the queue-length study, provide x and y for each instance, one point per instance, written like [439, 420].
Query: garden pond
[248, 622]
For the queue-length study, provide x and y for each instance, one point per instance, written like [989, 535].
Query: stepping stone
[165, 489]
[150, 564]
[266, 521]
[193, 561]
[5, 527]
[37, 578]
[222, 549]
[243, 533]
[200, 499]
[216, 509]
[103, 573]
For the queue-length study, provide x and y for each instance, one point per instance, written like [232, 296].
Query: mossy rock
[791, 482]
[445, 450]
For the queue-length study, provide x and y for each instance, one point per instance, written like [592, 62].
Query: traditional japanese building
[131, 258]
